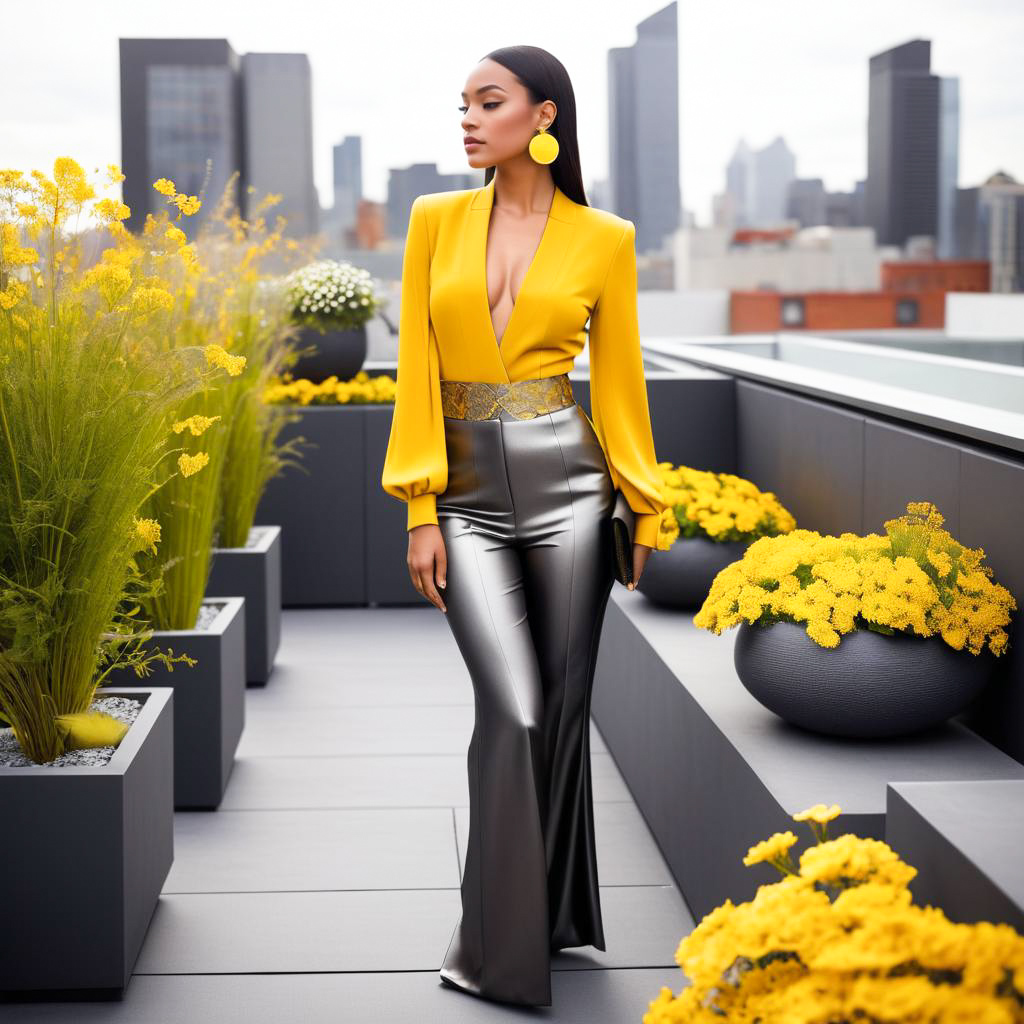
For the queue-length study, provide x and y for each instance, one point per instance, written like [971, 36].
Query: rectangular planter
[209, 702]
[253, 572]
[86, 852]
[321, 508]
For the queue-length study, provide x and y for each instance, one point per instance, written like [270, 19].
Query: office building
[643, 130]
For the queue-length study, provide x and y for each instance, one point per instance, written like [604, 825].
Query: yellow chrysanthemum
[770, 849]
[837, 584]
[819, 813]
[165, 187]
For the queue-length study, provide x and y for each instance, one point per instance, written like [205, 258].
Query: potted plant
[331, 301]
[209, 708]
[710, 519]
[839, 939]
[247, 558]
[85, 412]
[881, 635]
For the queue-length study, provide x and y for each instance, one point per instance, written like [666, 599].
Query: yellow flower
[850, 860]
[114, 175]
[12, 253]
[819, 813]
[187, 204]
[216, 355]
[165, 187]
[195, 424]
[191, 464]
[111, 280]
[112, 209]
[770, 849]
[149, 300]
[148, 531]
[12, 294]
[176, 235]
[71, 180]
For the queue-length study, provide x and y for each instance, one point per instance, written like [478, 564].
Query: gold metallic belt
[524, 399]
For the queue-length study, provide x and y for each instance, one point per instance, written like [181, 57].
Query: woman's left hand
[641, 552]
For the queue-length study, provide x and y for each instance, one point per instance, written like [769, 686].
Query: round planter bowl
[870, 686]
[339, 353]
[682, 576]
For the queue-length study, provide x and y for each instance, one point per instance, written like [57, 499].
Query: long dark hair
[545, 78]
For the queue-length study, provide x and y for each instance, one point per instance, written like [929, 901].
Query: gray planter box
[86, 852]
[209, 703]
[321, 508]
[253, 572]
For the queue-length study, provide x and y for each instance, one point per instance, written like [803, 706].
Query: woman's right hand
[428, 562]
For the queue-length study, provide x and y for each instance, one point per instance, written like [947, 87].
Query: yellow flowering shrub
[838, 940]
[86, 404]
[916, 579]
[719, 506]
[361, 389]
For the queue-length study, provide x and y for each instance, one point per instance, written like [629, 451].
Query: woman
[509, 487]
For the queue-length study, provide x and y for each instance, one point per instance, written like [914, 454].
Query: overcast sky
[392, 70]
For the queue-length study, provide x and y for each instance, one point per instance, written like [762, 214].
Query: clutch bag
[623, 523]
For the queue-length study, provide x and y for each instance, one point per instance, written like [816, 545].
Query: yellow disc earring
[543, 147]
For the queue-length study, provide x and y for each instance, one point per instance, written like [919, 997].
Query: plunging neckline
[526, 275]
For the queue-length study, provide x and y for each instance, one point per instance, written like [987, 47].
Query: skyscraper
[949, 165]
[774, 172]
[989, 225]
[911, 128]
[180, 109]
[348, 180]
[277, 112]
[194, 112]
[759, 182]
[643, 131]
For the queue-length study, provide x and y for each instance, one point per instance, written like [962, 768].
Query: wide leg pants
[524, 520]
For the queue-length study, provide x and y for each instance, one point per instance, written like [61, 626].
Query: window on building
[906, 311]
[793, 312]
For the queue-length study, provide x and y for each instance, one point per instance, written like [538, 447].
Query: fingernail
[441, 584]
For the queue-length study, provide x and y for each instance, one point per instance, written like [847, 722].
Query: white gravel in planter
[256, 534]
[207, 613]
[126, 709]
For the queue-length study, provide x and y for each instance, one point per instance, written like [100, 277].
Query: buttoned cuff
[422, 509]
[645, 530]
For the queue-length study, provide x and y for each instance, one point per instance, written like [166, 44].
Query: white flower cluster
[330, 288]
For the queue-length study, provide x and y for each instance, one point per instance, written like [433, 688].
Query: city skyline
[743, 88]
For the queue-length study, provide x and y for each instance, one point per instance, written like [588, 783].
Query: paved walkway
[326, 887]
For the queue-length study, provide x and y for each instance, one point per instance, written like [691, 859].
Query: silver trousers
[524, 520]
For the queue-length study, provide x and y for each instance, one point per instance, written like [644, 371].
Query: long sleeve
[416, 464]
[618, 391]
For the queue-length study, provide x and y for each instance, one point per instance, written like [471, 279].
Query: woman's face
[497, 112]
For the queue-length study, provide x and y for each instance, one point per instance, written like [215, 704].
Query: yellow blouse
[584, 267]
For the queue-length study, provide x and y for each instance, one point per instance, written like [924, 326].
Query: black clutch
[623, 523]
